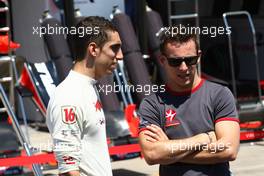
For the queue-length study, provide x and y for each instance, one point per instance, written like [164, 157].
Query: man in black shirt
[192, 128]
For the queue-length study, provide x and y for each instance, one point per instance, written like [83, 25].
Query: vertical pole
[20, 135]
[141, 25]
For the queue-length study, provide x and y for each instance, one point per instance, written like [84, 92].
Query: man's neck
[174, 87]
[81, 68]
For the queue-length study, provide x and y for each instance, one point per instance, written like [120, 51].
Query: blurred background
[34, 59]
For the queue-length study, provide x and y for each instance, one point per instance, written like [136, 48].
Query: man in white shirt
[75, 116]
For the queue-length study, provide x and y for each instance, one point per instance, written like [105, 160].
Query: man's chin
[109, 72]
[185, 83]
[106, 73]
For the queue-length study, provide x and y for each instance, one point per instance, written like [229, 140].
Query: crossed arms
[199, 149]
[70, 173]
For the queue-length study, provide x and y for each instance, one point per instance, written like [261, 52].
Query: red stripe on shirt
[185, 93]
[227, 119]
[142, 129]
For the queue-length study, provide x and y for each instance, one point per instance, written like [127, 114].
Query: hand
[218, 146]
[70, 173]
[212, 136]
[155, 133]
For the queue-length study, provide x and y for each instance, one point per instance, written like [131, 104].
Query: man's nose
[183, 66]
[119, 55]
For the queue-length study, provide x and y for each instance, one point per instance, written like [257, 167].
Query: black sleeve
[225, 106]
[149, 112]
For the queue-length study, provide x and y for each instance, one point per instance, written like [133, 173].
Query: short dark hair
[166, 37]
[100, 26]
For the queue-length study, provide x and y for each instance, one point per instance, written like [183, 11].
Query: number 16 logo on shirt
[68, 114]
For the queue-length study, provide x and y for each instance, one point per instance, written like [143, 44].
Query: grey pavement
[250, 160]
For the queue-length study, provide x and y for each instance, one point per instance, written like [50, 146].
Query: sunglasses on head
[177, 61]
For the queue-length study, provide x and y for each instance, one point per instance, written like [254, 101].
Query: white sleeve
[66, 129]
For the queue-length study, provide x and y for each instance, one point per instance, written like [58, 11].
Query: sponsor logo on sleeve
[68, 160]
[68, 114]
[67, 133]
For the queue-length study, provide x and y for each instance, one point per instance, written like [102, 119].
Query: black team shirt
[185, 114]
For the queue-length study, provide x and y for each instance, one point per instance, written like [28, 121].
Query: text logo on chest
[171, 118]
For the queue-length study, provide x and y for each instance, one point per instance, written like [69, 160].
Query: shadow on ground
[124, 172]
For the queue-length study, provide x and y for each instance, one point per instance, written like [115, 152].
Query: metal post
[36, 168]
[237, 13]
[13, 71]
[121, 68]
[121, 87]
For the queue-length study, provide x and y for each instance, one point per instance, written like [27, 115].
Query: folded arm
[70, 173]
[158, 149]
[227, 133]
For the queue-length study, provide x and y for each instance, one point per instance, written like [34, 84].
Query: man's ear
[199, 54]
[162, 59]
[92, 49]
